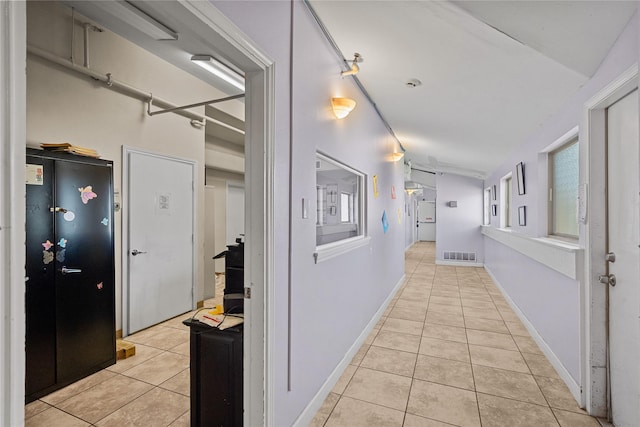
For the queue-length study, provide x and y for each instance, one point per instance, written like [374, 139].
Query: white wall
[549, 300]
[331, 302]
[458, 229]
[219, 179]
[64, 106]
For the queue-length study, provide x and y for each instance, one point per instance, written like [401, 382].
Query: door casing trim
[592, 294]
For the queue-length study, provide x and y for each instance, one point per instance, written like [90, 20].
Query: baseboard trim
[314, 405]
[574, 387]
[200, 304]
[459, 263]
[119, 334]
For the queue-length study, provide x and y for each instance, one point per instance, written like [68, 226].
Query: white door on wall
[426, 221]
[160, 283]
[235, 212]
[624, 237]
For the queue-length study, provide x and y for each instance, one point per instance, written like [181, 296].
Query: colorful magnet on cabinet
[47, 245]
[60, 255]
[104, 221]
[393, 192]
[63, 242]
[399, 216]
[99, 285]
[87, 194]
[69, 216]
[47, 257]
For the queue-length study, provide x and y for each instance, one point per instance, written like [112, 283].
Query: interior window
[339, 213]
[563, 190]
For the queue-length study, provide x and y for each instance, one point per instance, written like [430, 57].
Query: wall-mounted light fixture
[130, 14]
[411, 191]
[396, 156]
[342, 106]
[354, 65]
[411, 187]
[220, 70]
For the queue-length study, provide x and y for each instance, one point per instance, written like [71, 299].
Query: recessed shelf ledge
[335, 249]
[564, 257]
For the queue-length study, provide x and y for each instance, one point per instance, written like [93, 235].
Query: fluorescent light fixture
[131, 15]
[219, 70]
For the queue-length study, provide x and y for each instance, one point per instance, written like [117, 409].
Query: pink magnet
[87, 194]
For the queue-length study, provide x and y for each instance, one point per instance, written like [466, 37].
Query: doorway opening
[222, 37]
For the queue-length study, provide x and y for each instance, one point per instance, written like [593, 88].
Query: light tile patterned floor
[150, 389]
[449, 351]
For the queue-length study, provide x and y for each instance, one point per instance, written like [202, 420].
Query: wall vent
[459, 256]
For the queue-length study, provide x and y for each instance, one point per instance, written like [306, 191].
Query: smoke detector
[411, 83]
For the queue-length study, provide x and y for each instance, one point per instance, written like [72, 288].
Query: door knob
[607, 279]
[137, 252]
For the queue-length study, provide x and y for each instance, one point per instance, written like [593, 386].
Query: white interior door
[624, 238]
[427, 221]
[161, 279]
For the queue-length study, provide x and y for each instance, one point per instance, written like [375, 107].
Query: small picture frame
[494, 210]
[494, 192]
[522, 216]
[520, 175]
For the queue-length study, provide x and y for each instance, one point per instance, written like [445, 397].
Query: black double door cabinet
[216, 375]
[70, 286]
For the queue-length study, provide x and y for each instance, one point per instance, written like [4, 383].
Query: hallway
[449, 351]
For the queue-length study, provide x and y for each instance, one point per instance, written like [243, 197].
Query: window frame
[486, 214]
[506, 201]
[357, 212]
[550, 190]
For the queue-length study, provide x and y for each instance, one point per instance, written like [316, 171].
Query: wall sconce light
[342, 106]
[397, 156]
[354, 65]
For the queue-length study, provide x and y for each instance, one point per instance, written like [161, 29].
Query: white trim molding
[13, 48]
[260, 76]
[341, 247]
[563, 257]
[593, 318]
[459, 263]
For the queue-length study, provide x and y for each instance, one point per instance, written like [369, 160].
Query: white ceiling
[491, 71]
